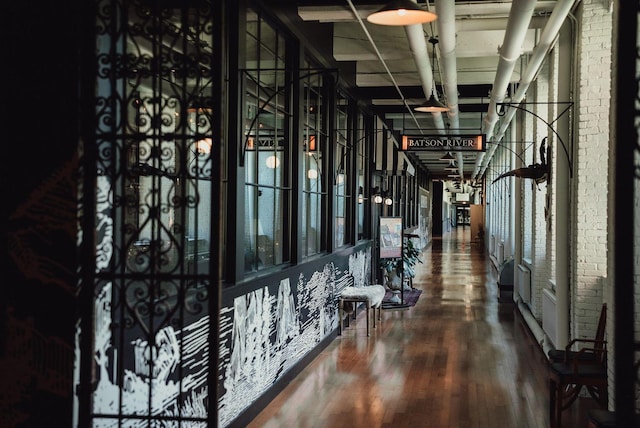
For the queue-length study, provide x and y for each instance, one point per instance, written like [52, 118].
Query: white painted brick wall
[590, 183]
[590, 176]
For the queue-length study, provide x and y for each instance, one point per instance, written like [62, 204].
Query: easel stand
[402, 304]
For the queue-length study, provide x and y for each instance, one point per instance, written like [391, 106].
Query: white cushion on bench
[374, 294]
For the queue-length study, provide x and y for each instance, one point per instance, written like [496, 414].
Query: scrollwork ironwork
[153, 114]
[567, 104]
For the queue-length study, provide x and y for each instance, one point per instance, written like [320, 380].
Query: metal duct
[445, 9]
[545, 44]
[379, 55]
[519, 18]
[517, 26]
[418, 45]
[446, 23]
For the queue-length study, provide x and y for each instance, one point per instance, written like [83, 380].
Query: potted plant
[393, 269]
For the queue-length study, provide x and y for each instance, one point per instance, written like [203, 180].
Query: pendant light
[401, 12]
[451, 167]
[432, 105]
[447, 157]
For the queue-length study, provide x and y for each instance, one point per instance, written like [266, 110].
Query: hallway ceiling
[388, 72]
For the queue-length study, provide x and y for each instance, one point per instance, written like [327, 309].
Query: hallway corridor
[458, 358]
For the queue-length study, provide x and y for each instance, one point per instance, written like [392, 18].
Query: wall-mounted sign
[462, 197]
[447, 143]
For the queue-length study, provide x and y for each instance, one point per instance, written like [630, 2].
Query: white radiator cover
[524, 283]
[549, 324]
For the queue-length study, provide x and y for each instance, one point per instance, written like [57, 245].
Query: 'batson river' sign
[448, 143]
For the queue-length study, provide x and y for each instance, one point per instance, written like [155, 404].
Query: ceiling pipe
[479, 23]
[510, 51]
[517, 26]
[380, 57]
[445, 9]
[418, 45]
[547, 40]
[446, 24]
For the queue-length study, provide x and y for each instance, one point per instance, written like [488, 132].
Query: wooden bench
[370, 295]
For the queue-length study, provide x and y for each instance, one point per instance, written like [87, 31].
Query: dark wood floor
[458, 358]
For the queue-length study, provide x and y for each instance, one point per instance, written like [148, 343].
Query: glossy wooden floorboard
[458, 358]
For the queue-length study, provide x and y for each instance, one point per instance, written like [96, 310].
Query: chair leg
[561, 397]
[367, 306]
[377, 315]
[340, 317]
[374, 317]
[555, 404]
[600, 394]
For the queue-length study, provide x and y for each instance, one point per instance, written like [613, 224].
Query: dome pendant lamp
[432, 105]
[401, 12]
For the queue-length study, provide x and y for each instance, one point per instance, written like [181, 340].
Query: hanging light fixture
[432, 105]
[447, 157]
[451, 167]
[272, 162]
[401, 12]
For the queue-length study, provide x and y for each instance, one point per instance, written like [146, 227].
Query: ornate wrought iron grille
[153, 216]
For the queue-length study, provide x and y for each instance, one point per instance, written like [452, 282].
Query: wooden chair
[560, 355]
[585, 367]
[605, 419]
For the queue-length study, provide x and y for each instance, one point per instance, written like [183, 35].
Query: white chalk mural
[152, 387]
[262, 336]
[265, 334]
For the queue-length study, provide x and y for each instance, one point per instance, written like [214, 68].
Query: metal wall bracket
[567, 106]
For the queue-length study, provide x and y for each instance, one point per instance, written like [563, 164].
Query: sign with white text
[446, 143]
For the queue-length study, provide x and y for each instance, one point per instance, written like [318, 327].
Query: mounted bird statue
[539, 172]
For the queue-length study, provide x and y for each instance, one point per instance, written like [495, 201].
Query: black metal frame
[626, 150]
[154, 289]
[567, 104]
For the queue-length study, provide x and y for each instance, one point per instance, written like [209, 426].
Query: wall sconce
[312, 144]
[272, 162]
[203, 147]
[361, 197]
[383, 197]
[401, 12]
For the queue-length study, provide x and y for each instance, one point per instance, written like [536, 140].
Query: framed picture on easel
[390, 237]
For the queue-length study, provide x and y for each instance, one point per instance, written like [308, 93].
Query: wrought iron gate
[149, 220]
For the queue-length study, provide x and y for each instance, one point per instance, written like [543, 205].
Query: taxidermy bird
[538, 172]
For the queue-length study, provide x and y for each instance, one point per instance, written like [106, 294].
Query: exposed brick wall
[589, 192]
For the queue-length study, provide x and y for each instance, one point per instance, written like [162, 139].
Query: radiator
[500, 253]
[524, 283]
[549, 315]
